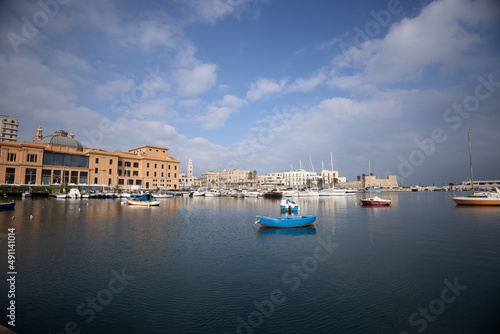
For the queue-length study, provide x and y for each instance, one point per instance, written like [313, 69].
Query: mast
[369, 168]
[471, 173]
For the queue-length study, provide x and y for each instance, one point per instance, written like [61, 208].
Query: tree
[364, 175]
[358, 177]
[335, 182]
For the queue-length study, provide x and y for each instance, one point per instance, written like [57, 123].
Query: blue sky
[263, 84]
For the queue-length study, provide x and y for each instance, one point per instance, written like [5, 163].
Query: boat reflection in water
[296, 231]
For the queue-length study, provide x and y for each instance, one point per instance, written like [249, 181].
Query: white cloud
[263, 88]
[443, 34]
[196, 80]
[307, 85]
[111, 89]
[218, 113]
[211, 11]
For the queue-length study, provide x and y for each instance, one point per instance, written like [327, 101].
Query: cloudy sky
[264, 84]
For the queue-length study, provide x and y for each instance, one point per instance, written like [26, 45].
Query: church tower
[190, 167]
[38, 136]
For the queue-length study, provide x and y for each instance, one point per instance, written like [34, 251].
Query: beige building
[8, 128]
[371, 180]
[60, 158]
[328, 177]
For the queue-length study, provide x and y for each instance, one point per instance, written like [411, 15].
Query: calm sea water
[196, 265]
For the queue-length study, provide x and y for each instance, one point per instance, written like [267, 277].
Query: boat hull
[476, 201]
[285, 222]
[143, 203]
[376, 202]
[7, 206]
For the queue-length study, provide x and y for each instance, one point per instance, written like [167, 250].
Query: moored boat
[486, 198]
[143, 200]
[7, 205]
[289, 205]
[375, 201]
[286, 221]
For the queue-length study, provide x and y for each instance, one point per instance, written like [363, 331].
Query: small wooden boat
[375, 201]
[143, 200]
[7, 205]
[285, 222]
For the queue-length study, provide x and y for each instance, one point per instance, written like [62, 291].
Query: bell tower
[38, 136]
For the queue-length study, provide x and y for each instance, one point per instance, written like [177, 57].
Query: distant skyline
[262, 84]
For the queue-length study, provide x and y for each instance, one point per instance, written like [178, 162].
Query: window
[175, 175]
[96, 170]
[46, 174]
[120, 181]
[56, 176]
[135, 173]
[10, 174]
[138, 182]
[74, 177]
[154, 174]
[127, 164]
[147, 173]
[127, 173]
[161, 174]
[162, 166]
[120, 163]
[32, 157]
[110, 161]
[95, 180]
[175, 167]
[96, 160]
[168, 174]
[110, 171]
[119, 172]
[147, 165]
[155, 166]
[11, 157]
[168, 166]
[83, 177]
[136, 165]
[130, 182]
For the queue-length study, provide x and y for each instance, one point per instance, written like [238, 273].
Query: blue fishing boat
[285, 222]
[7, 205]
[143, 200]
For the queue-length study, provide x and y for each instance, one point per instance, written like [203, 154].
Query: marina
[195, 264]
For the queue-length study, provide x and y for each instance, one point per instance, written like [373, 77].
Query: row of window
[136, 164]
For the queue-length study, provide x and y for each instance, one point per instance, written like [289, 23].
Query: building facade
[58, 159]
[299, 178]
[8, 128]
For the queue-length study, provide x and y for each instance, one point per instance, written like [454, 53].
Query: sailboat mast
[471, 173]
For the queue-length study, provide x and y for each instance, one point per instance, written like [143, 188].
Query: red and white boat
[375, 201]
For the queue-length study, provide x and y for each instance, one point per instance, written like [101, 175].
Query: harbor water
[196, 265]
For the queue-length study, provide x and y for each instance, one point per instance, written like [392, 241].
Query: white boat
[308, 193]
[74, 193]
[485, 198]
[212, 193]
[289, 205]
[351, 191]
[239, 194]
[27, 193]
[290, 193]
[333, 192]
[199, 192]
[58, 195]
[252, 193]
[163, 195]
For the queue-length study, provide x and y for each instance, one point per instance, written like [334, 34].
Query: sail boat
[478, 198]
[333, 191]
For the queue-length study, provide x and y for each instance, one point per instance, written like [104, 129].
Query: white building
[300, 178]
[8, 128]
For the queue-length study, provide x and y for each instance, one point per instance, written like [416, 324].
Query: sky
[265, 85]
